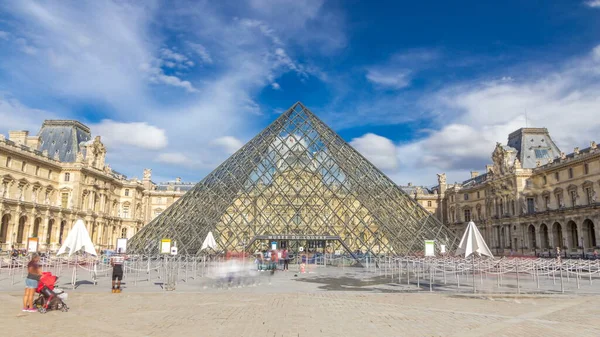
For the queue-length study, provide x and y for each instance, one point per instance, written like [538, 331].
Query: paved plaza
[324, 302]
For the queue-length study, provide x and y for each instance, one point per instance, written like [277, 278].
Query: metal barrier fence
[434, 274]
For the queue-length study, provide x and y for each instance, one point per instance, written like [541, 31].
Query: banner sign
[429, 248]
[32, 245]
[165, 246]
[122, 245]
[296, 237]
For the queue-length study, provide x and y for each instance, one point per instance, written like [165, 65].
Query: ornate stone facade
[533, 198]
[49, 181]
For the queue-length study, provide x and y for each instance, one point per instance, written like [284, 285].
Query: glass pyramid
[299, 184]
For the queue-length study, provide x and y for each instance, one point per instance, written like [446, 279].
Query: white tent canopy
[472, 242]
[78, 239]
[209, 242]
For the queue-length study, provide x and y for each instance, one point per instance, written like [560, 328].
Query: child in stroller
[50, 297]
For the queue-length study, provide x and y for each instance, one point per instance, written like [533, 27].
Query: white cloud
[379, 150]
[228, 143]
[136, 134]
[397, 72]
[4, 35]
[108, 55]
[396, 80]
[275, 86]
[176, 158]
[593, 3]
[16, 116]
[26, 47]
[474, 116]
[201, 51]
[168, 54]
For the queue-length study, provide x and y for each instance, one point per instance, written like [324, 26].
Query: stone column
[11, 232]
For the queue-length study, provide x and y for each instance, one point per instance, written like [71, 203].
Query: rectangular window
[23, 166]
[478, 195]
[586, 168]
[590, 195]
[467, 215]
[8, 162]
[466, 196]
[126, 192]
[67, 176]
[556, 176]
[64, 200]
[544, 180]
[547, 202]
[559, 199]
[530, 206]
[570, 172]
[542, 154]
[37, 170]
[429, 204]
[573, 198]
[50, 174]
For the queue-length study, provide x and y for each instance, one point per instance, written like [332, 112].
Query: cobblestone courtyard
[284, 306]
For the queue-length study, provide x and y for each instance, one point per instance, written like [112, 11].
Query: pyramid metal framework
[296, 180]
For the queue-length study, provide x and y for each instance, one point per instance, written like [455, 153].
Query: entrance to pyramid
[300, 184]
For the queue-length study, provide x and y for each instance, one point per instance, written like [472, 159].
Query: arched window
[467, 215]
[67, 176]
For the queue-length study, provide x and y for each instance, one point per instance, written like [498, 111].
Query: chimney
[409, 184]
[33, 142]
[178, 180]
[19, 137]
[474, 174]
[576, 150]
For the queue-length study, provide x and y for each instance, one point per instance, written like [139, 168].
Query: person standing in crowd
[274, 261]
[116, 261]
[286, 259]
[34, 272]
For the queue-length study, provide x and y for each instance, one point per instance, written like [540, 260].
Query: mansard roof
[63, 137]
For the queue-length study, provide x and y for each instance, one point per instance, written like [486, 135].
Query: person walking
[116, 261]
[34, 272]
[286, 259]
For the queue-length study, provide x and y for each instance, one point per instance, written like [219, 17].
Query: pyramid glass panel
[300, 184]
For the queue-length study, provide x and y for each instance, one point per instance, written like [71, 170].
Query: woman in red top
[34, 272]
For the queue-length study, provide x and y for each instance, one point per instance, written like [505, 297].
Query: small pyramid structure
[297, 179]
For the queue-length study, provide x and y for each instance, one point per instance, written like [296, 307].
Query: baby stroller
[50, 298]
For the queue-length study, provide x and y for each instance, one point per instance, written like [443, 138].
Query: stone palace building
[50, 180]
[532, 199]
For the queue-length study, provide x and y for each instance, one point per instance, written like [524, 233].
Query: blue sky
[418, 87]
